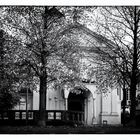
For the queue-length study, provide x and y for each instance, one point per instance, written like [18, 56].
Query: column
[66, 94]
[114, 102]
[104, 103]
[66, 103]
[94, 112]
[85, 110]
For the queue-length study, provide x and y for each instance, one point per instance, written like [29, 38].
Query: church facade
[98, 108]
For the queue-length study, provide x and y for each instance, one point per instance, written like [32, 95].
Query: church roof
[91, 33]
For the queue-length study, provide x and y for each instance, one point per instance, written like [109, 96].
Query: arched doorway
[78, 101]
[77, 98]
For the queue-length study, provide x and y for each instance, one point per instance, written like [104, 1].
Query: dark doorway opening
[76, 102]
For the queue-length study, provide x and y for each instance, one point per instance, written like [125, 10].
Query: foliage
[57, 48]
[47, 52]
[8, 90]
[122, 26]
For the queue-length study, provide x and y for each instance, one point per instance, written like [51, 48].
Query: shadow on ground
[68, 130]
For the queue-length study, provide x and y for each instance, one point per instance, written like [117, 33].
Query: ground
[68, 130]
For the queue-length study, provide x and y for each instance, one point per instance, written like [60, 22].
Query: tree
[118, 52]
[45, 48]
[8, 92]
[121, 26]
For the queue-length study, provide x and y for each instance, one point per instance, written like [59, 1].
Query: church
[85, 99]
[97, 108]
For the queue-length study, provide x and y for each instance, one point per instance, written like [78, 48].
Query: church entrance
[76, 102]
[80, 101]
[76, 99]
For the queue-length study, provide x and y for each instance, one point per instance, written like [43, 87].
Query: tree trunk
[133, 99]
[133, 83]
[124, 106]
[42, 101]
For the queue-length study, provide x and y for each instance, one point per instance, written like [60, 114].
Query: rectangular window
[58, 115]
[30, 115]
[23, 115]
[50, 115]
[17, 115]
